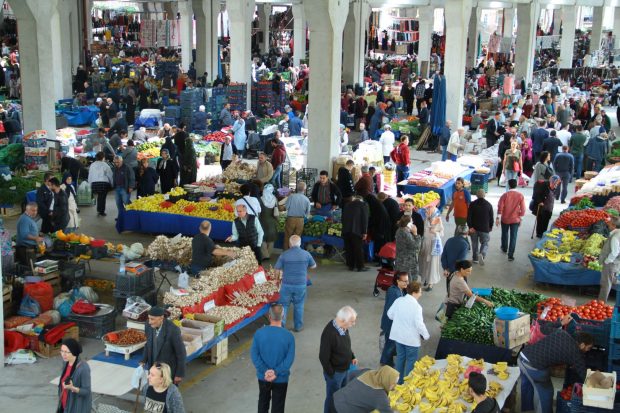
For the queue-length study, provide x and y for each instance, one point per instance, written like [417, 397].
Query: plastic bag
[84, 190]
[183, 280]
[437, 247]
[29, 307]
[440, 315]
[502, 180]
[381, 342]
[138, 379]
[43, 293]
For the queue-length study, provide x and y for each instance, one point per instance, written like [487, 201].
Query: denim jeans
[402, 172]
[483, 238]
[332, 385]
[594, 165]
[566, 178]
[405, 357]
[389, 351]
[510, 175]
[578, 165]
[296, 295]
[122, 198]
[536, 388]
[452, 156]
[444, 152]
[510, 248]
[276, 179]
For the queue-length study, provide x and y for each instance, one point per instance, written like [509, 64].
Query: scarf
[268, 198]
[383, 379]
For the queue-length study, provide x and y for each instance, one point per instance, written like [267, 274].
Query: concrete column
[508, 22]
[616, 29]
[63, 33]
[206, 13]
[89, 22]
[597, 28]
[410, 12]
[186, 22]
[557, 18]
[354, 40]
[457, 16]
[299, 34]
[527, 18]
[426, 20]
[569, 23]
[241, 14]
[472, 36]
[36, 50]
[326, 20]
[264, 13]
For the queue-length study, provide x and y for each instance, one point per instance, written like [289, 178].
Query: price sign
[209, 305]
[259, 277]
[166, 197]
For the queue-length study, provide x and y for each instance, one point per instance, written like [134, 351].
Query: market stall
[165, 223]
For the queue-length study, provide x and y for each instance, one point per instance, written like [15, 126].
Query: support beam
[426, 21]
[68, 59]
[457, 14]
[89, 22]
[206, 13]
[264, 14]
[569, 23]
[508, 23]
[36, 50]
[299, 33]
[557, 19]
[186, 29]
[597, 28]
[354, 40]
[326, 20]
[616, 29]
[241, 14]
[472, 36]
[527, 18]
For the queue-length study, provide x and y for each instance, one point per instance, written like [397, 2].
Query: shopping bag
[138, 379]
[470, 302]
[440, 315]
[502, 180]
[535, 333]
[437, 247]
[183, 280]
[523, 180]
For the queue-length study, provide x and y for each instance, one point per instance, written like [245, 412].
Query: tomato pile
[567, 393]
[166, 204]
[593, 310]
[217, 136]
[580, 218]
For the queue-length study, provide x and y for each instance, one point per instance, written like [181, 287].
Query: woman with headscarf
[74, 392]
[429, 262]
[74, 218]
[528, 108]
[187, 162]
[167, 170]
[527, 155]
[503, 146]
[377, 119]
[146, 178]
[543, 199]
[268, 218]
[367, 391]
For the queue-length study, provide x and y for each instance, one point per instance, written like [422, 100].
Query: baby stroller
[385, 276]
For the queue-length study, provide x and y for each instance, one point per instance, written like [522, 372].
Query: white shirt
[614, 241]
[408, 322]
[564, 136]
[454, 143]
[387, 140]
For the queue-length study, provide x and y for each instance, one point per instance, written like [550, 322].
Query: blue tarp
[84, 115]
[438, 114]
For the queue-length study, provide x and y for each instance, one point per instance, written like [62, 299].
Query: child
[477, 389]
[461, 199]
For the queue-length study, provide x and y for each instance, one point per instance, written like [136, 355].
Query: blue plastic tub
[507, 313]
[482, 292]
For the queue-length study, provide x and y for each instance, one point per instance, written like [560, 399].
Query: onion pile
[239, 170]
[177, 249]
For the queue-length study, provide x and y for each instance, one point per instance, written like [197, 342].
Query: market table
[162, 223]
[562, 273]
[445, 191]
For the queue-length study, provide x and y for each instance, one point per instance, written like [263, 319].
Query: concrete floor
[231, 386]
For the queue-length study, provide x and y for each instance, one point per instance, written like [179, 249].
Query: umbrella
[438, 109]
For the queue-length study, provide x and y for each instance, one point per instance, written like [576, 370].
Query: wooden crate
[47, 350]
[219, 352]
[7, 291]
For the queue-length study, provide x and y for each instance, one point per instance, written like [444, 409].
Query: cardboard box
[205, 329]
[511, 333]
[218, 322]
[603, 398]
[192, 342]
[48, 350]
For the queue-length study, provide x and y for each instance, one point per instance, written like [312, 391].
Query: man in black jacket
[124, 181]
[60, 213]
[164, 344]
[345, 182]
[492, 132]
[354, 231]
[393, 210]
[45, 203]
[480, 223]
[325, 195]
[335, 352]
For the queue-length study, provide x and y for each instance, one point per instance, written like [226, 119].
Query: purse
[516, 166]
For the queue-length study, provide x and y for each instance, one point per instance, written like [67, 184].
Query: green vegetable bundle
[475, 325]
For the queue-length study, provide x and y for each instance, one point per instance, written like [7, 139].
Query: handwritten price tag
[209, 305]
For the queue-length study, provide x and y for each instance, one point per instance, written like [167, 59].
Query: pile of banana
[501, 369]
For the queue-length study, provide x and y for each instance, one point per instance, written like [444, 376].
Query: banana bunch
[494, 389]
[177, 191]
[538, 253]
[464, 390]
[501, 369]
[477, 363]
[557, 256]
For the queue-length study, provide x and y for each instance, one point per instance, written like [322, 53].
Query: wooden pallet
[218, 353]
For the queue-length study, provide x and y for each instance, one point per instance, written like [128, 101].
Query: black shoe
[563, 202]
[363, 269]
[102, 214]
[511, 258]
[504, 251]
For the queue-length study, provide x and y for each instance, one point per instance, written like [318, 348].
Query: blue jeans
[482, 238]
[389, 351]
[332, 385]
[405, 357]
[514, 229]
[510, 175]
[296, 295]
[566, 178]
[402, 172]
[578, 165]
[444, 152]
[276, 179]
[452, 156]
[122, 198]
[536, 388]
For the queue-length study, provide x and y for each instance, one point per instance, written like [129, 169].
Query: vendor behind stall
[325, 195]
[27, 235]
[203, 249]
[247, 231]
[458, 290]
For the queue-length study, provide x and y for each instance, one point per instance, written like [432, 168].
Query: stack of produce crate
[237, 96]
[35, 150]
[191, 99]
[265, 100]
[165, 67]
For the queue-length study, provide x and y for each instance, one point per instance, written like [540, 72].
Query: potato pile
[598, 380]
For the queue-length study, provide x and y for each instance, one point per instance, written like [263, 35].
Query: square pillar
[89, 22]
[457, 14]
[527, 18]
[472, 36]
[557, 18]
[186, 39]
[264, 14]
[508, 23]
[354, 40]
[426, 20]
[597, 29]
[616, 29]
[206, 13]
[567, 43]
[299, 34]
[241, 14]
[326, 20]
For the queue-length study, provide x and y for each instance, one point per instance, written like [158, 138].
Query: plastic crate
[561, 405]
[150, 296]
[475, 187]
[98, 253]
[599, 330]
[129, 284]
[78, 249]
[98, 324]
[615, 324]
[576, 406]
[72, 271]
[478, 179]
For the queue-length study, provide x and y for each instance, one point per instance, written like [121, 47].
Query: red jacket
[278, 156]
[402, 155]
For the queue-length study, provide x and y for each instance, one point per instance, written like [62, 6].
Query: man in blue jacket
[294, 124]
[273, 353]
[444, 138]
[456, 249]
[538, 138]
